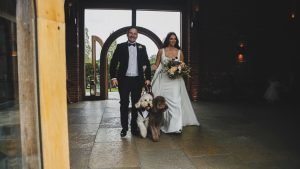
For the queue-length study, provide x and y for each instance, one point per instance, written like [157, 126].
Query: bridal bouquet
[176, 69]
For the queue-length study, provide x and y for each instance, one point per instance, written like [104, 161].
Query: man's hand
[147, 82]
[114, 82]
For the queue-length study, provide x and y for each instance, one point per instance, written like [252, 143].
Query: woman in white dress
[180, 112]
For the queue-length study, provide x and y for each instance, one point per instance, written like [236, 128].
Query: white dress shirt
[132, 69]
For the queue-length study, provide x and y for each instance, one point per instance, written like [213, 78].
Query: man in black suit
[130, 70]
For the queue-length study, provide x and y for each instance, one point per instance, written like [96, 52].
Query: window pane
[10, 141]
[100, 23]
[150, 45]
[164, 22]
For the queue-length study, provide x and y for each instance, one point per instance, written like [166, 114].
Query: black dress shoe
[123, 133]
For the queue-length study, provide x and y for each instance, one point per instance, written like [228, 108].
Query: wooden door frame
[42, 84]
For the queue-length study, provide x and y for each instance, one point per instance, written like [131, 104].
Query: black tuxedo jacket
[119, 62]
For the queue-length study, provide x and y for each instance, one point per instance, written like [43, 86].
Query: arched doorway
[95, 20]
[103, 56]
[92, 71]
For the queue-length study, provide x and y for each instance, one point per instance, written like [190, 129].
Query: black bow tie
[131, 44]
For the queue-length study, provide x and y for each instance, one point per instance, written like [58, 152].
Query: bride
[180, 112]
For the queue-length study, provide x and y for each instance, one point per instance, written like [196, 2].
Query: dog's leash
[148, 89]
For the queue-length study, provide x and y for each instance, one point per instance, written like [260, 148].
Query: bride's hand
[153, 67]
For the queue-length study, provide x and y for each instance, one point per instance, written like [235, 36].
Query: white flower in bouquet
[179, 69]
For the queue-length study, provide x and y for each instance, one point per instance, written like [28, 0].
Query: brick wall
[72, 53]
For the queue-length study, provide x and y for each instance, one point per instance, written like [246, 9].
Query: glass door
[98, 27]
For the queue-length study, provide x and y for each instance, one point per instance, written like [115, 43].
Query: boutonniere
[140, 46]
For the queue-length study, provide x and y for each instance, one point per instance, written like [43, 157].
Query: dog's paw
[155, 133]
[143, 130]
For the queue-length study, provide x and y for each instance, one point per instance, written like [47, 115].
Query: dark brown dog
[156, 116]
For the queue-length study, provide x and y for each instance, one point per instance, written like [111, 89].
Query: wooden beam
[52, 83]
[28, 95]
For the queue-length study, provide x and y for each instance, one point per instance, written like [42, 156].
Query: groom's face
[132, 35]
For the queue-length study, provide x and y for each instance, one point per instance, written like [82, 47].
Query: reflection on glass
[98, 50]
[10, 141]
[92, 71]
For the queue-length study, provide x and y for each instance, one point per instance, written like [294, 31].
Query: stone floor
[231, 136]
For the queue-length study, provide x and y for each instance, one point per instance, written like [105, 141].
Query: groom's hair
[132, 27]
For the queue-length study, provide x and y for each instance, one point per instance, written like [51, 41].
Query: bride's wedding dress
[180, 112]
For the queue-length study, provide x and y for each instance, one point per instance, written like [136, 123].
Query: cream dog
[143, 107]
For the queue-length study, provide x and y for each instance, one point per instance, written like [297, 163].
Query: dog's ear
[137, 105]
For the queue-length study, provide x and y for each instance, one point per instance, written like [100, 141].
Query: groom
[130, 76]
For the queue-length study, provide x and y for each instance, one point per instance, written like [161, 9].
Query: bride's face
[172, 40]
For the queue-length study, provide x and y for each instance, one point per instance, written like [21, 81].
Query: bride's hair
[166, 41]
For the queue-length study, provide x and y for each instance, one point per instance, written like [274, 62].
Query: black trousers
[129, 86]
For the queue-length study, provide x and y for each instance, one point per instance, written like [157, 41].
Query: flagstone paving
[231, 136]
